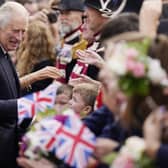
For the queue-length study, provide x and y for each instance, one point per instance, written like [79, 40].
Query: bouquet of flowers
[131, 155]
[134, 69]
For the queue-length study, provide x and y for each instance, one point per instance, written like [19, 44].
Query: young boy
[83, 99]
[64, 94]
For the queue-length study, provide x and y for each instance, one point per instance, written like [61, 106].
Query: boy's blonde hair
[88, 92]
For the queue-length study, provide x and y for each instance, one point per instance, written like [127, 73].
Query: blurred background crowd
[95, 49]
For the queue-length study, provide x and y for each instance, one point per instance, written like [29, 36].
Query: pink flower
[123, 161]
[130, 64]
[131, 53]
[136, 68]
[139, 70]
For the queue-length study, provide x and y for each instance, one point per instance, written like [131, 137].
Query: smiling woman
[36, 52]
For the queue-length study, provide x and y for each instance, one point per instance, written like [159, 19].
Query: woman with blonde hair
[36, 52]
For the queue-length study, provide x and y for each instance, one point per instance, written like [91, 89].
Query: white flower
[34, 143]
[117, 62]
[134, 147]
[155, 72]
[164, 82]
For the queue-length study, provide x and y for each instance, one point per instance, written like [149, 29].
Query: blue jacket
[98, 120]
[162, 156]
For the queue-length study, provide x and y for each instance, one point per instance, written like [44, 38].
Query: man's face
[12, 34]
[70, 20]
[93, 19]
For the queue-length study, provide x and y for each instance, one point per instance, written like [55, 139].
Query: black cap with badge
[107, 7]
[76, 5]
[114, 7]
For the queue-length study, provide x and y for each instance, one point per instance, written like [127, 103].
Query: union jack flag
[76, 143]
[71, 142]
[51, 129]
[30, 104]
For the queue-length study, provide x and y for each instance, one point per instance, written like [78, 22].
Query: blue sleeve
[97, 120]
[162, 156]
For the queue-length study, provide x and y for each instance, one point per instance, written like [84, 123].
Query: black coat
[9, 92]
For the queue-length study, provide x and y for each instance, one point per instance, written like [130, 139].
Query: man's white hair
[9, 10]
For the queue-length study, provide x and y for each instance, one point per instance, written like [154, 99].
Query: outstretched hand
[84, 79]
[90, 57]
[104, 146]
[48, 72]
[40, 15]
[149, 17]
[153, 131]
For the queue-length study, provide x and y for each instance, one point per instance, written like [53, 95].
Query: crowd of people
[110, 59]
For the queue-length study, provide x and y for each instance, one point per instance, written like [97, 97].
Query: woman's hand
[47, 72]
[90, 57]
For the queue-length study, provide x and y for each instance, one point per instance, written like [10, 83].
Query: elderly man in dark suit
[13, 23]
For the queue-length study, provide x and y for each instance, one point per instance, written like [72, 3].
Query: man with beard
[69, 21]
[70, 29]
[97, 14]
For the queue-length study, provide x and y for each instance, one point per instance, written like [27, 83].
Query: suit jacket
[9, 92]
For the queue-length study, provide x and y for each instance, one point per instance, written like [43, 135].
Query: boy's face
[62, 102]
[77, 103]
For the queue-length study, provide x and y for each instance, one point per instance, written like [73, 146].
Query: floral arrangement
[134, 69]
[131, 155]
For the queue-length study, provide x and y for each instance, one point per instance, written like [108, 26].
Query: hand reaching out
[149, 17]
[90, 57]
[40, 15]
[47, 72]
[153, 131]
[104, 146]
[84, 79]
